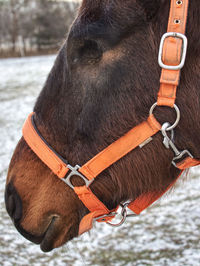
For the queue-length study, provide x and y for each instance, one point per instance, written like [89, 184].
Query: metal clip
[124, 215]
[170, 144]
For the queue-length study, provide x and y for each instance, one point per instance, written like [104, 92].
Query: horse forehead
[92, 10]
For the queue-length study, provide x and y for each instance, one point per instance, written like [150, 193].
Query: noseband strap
[171, 58]
[43, 150]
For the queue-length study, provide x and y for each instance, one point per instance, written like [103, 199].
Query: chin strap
[172, 55]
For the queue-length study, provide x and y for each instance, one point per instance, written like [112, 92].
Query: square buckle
[184, 50]
[75, 172]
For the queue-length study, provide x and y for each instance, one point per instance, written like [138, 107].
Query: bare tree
[14, 6]
[40, 23]
[52, 25]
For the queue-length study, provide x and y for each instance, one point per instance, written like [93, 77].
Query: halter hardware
[103, 217]
[168, 143]
[124, 215]
[171, 50]
[75, 172]
[178, 115]
[184, 50]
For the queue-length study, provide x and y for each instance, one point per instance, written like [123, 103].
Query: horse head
[103, 83]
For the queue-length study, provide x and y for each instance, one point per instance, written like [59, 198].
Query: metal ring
[178, 114]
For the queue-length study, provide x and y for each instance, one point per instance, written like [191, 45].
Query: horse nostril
[13, 203]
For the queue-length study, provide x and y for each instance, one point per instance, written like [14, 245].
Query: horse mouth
[57, 233]
[50, 238]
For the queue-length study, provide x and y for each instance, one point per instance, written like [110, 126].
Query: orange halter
[171, 58]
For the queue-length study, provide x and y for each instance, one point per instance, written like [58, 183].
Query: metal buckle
[184, 50]
[75, 172]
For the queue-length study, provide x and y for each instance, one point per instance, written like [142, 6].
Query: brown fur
[104, 81]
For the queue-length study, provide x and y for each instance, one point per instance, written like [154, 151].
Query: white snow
[168, 233]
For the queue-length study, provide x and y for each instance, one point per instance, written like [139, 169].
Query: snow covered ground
[166, 234]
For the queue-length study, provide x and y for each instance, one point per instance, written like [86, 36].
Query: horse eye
[90, 49]
[84, 52]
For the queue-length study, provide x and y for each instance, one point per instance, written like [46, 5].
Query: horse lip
[35, 239]
[47, 239]
[54, 232]
[46, 244]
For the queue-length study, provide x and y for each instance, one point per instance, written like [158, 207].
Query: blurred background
[166, 234]
[30, 27]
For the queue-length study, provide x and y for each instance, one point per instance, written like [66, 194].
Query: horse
[103, 83]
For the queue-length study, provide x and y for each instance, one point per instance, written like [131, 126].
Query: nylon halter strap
[171, 58]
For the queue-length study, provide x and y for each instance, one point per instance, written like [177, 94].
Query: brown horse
[103, 82]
